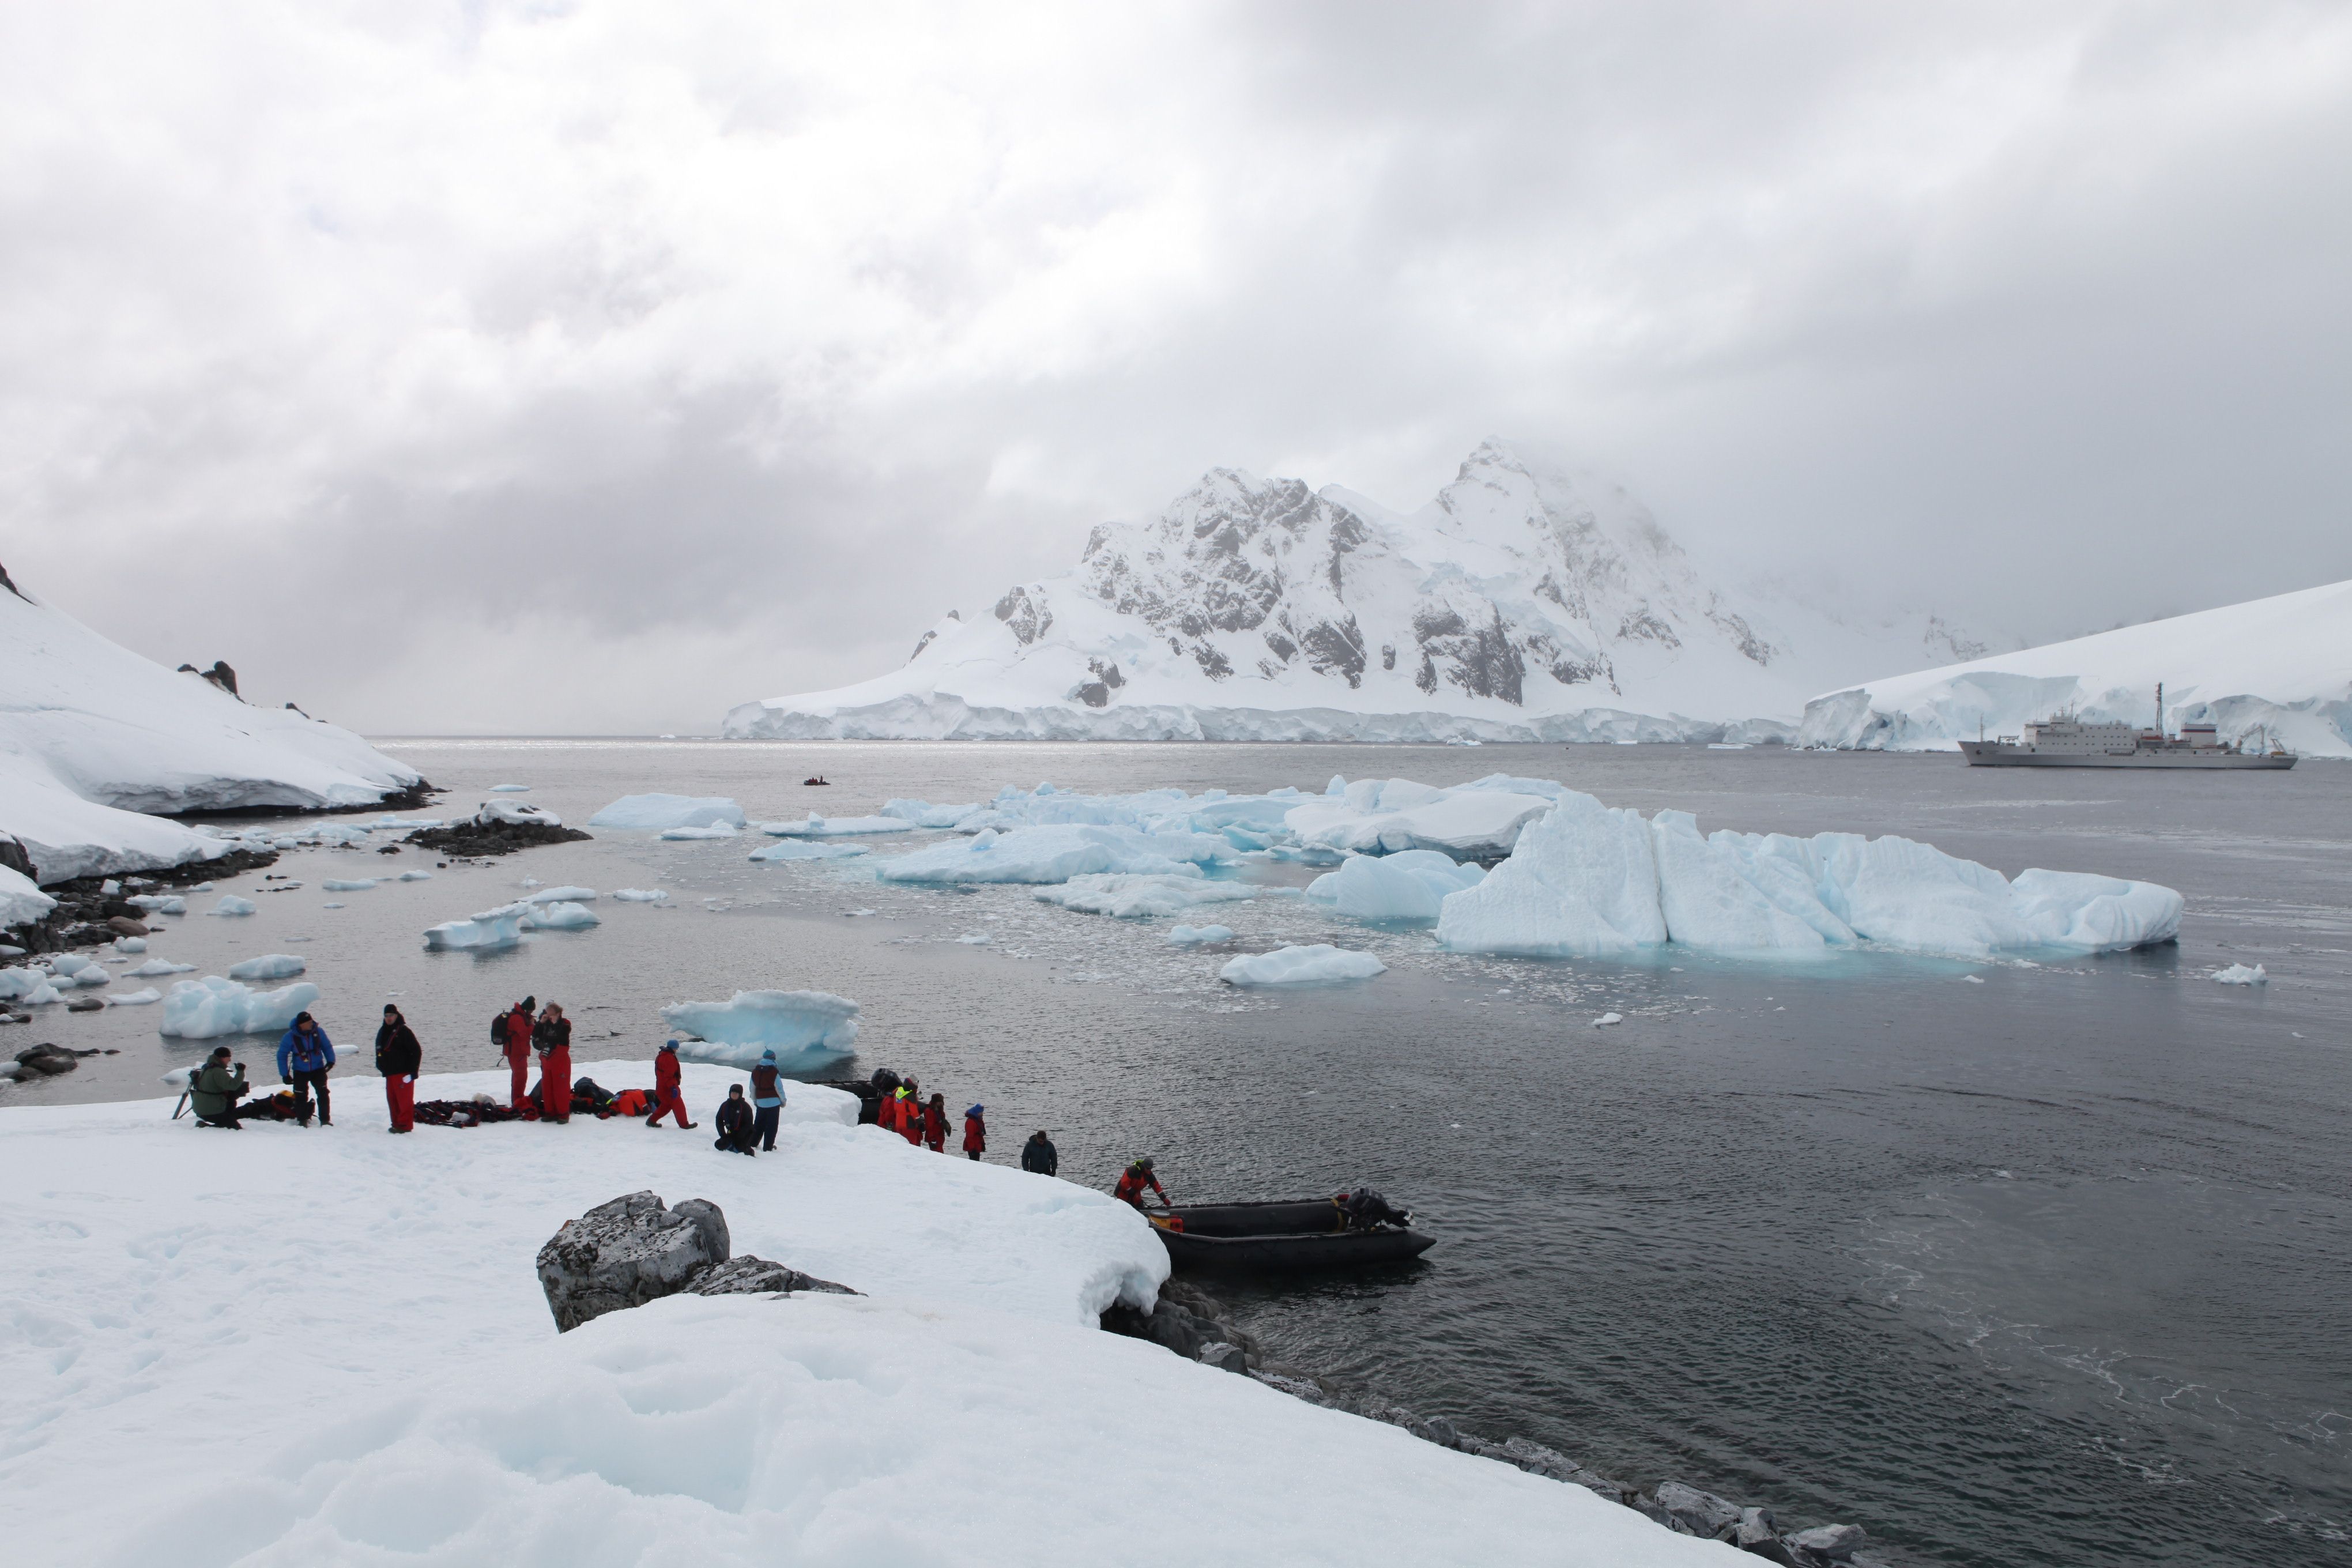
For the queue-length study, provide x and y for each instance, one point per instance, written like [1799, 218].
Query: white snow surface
[656, 812]
[967, 1385]
[208, 1008]
[21, 899]
[1411, 885]
[271, 966]
[94, 739]
[1587, 880]
[1527, 602]
[519, 812]
[1127, 896]
[2280, 667]
[1320, 964]
[804, 1029]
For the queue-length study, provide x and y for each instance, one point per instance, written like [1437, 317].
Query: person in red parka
[975, 1133]
[666, 1099]
[515, 1041]
[1134, 1179]
[910, 1115]
[552, 1036]
[935, 1124]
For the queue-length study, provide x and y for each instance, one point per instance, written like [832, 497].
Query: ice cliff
[98, 746]
[2277, 668]
[1525, 602]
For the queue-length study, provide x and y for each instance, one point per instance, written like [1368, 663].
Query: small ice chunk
[160, 903]
[510, 789]
[202, 887]
[803, 1028]
[501, 927]
[28, 985]
[157, 966]
[2239, 974]
[133, 998]
[1193, 936]
[641, 895]
[808, 850]
[230, 904]
[1056, 853]
[354, 885]
[1317, 965]
[565, 916]
[974, 939]
[815, 826]
[563, 896]
[130, 944]
[1608, 1018]
[1973, 979]
[70, 963]
[416, 875]
[109, 887]
[270, 967]
[654, 812]
[716, 830]
[1126, 896]
[1407, 886]
[330, 904]
[207, 1009]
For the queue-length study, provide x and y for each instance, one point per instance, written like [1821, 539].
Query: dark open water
[2047, 1267]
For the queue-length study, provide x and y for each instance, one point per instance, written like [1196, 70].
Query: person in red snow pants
[518, 1048]
[666, 1099]
[553, 1037]
[935, 1124]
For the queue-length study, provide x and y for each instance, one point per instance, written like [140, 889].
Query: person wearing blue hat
[975, 1133]
[767, 1101]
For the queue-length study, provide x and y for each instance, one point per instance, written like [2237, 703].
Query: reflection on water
[2011, 1263]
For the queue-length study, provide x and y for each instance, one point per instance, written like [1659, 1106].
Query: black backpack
[499, 1030]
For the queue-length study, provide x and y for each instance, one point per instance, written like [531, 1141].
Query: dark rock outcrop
[85, 909]
[633, 1250]
[47, 1060]
[484, 835]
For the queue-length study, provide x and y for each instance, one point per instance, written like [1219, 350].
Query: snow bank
[1055, 854]
[1195, 936]
[208, 1008]
[2271, 668]
[815, 826]
[657, 812]
[501, 927]
[21, 901]
[803, 849]
[1127, 895]
[274, 966]
[1587, 880]
[1407, 886]
[1317, 965]
[804, 1028]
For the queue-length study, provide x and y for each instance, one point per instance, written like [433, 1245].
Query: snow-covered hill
[2282, 666]
[97, 744]
[1526, 602]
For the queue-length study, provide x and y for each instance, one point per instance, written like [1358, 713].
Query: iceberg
[657, 812]
[157, 966]
[1128, 895]
[510, 789]
[1582, 882]
[714, 830]
[923, 814]
[501, 927]
[207, 1009]
[561, 896]
[805, 849]
[563, 916]
[230, 904]
[130, 944]
[416, 875]
[139, 998]
[1196, 936]
[273, 966]
[803, 1028]
[351, 885]
[1410, 885]
[27, 985]
[641, 895]
[1055, 854]
[1386, 815]
[815, 826]
[1320, 964]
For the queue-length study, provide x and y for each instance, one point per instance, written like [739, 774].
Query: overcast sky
[561, 368]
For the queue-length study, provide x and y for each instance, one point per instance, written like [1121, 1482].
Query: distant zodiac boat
[2065, 742]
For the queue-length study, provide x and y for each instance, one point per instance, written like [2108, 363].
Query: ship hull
[1993, 754]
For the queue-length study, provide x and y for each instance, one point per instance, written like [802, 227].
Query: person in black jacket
[397, 1056]
[735, 1123]
[1040, 1155]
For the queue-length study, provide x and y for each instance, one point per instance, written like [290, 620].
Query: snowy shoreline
[419, 1399]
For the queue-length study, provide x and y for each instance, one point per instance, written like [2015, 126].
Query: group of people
[924, 1123]
[217, 1090]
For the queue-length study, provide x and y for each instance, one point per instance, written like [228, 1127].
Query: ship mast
[2159, 711]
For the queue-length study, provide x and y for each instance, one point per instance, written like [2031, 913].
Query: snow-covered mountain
[1526, 602]
[96, 743]
[2280, 666]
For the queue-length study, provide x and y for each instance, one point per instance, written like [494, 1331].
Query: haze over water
[2009, 1263]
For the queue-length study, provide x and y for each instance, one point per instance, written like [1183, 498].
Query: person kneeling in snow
[735, 1123]
[212, 1093]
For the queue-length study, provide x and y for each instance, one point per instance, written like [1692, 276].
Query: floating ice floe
[405, 824]
[654, 812]
[975, 939]
[139, 998]
[351, 884]
[270, 967]
[510, 789]
[563, 896]
[501, 927]
[130, 944]
[806, 850]
[2239, 974]
[1410, 885]
[332, 904]
[716, 830]
[157, 966]
[1195, 936]
[1320, 964]
[561, 916]
[230, 904]
[815, 826]
[1385, 815]
[159, 903]
[923, 814]
[801, 1028]
[207, 1009]
[1608, 1018]
[416, 875]
[1139, 896]
[1053, 854]
[641, 895]
[1587, 880]
[27, 985]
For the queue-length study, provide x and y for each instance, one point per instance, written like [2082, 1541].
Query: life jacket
[631, 1102]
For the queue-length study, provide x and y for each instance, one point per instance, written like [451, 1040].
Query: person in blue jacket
[304, 1055]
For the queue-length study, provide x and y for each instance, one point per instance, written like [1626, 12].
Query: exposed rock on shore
[498, 828]
[633, 1250]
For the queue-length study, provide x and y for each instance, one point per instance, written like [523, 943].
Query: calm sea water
[2009, 1263]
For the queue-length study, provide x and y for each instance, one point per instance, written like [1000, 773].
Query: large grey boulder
[1836, 1542]
[1701, 1513]
[633, 1250]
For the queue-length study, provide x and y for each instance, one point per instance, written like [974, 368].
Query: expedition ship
[2065, 742]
